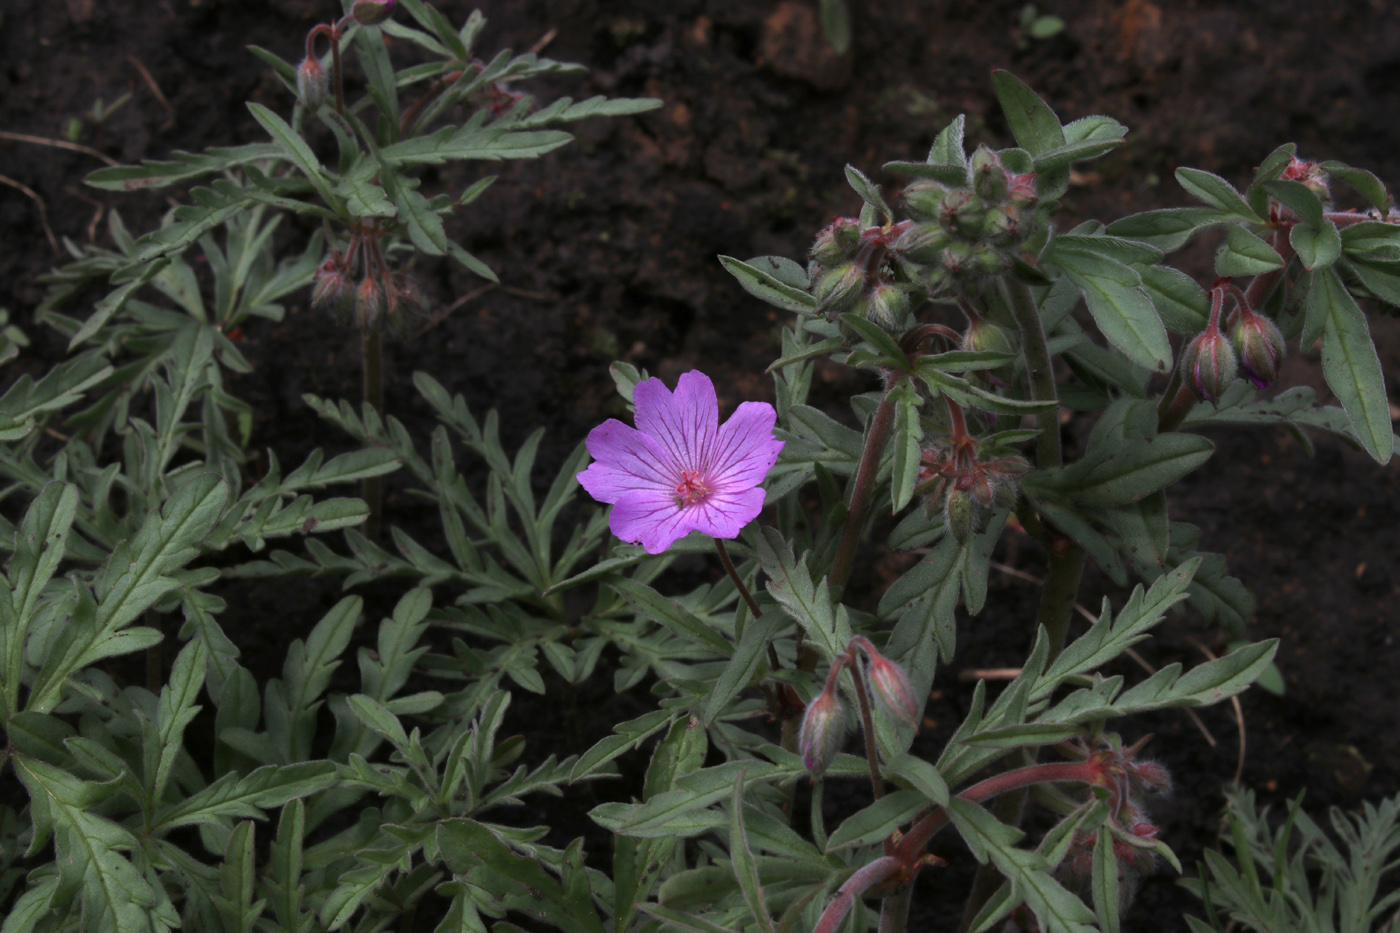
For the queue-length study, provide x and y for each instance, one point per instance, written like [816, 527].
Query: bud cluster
[1254, 348]
[954, 236]
[825, 723]
[1310, 174]
[381, 294]
[963, 233]
[963, 483]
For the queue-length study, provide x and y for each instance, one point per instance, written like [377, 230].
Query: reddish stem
[862, 485]
[882, 869]
[872, 757]
[912, 845]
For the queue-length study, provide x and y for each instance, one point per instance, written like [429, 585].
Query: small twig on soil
[43, 214]
[547, 38]
[96, 216]
[990, 673]
[57, 144]
[1141, 661]
[443, 314]
[1239, 712]
[155, 89]
[538, 296]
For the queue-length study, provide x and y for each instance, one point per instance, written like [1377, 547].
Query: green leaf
[768, 287]
[185, 166]
[1352, 367]
[1298, 198]
[296, 149]
[1215, 191]
[1243, 253]
[87, 848]
[1317, 247]
[904, 445]
[234, 797]
[809, 605]
[878, 820]
[836, 25]
[869, 192]
[670, 614]
[1033, 123]
[473, 142]
[39, 546]
[1181, 303]
[1132, 470]
[1104, 881]
[1370, 187]
[1168, 229]
[1120, 306]
[745, 868]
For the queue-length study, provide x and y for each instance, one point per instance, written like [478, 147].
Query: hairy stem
[862, 486]
[872, 755]
[1040, 371]
[372, 487]
[734, 575]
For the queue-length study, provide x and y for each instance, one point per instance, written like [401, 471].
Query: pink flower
[680, 470]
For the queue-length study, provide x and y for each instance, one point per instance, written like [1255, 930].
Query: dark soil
[606, 250]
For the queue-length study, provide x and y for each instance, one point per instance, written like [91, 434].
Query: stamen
[691, 489]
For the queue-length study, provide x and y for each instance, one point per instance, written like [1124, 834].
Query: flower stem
[862, 485]
[872, 757]
[734, 575]
[1040, 370]
[372, 487]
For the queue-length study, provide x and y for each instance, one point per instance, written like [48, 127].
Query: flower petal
[746, 447]
[652, 519]
[724, 513]
[625, 460]
[685, 424]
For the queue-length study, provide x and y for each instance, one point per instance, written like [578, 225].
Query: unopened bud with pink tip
[312, 83]
[1260, 346]
[892, 688]
[1209, 365]
[823, 731]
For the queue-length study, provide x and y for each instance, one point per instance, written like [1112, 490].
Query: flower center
[691, 489]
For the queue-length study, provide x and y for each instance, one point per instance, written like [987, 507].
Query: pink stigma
[691, 489]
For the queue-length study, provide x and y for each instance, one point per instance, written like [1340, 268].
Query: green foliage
[1295, 877]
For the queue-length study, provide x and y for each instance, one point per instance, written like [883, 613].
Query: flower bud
[329, 285]
[372, 12]
[922, 243]
[1150, 777]
[988, 260]
[369, 303]
[1002, 226]
[312, 84]
[887, 305]
[960, 514]
[1209, 364]
[837, 289]
[892, 689]
[823, 732]
[924, 199]
[983, 335]
[957, 258]
[962, 213]
[988, 176]
[1022, 189]
[1259, 344]
[837, 242]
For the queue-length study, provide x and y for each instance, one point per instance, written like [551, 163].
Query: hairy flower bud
[1022, 190]
[837, 289]
[922, 243]
[312, 84]
[1209, 365]
[369, 303]
[1002, 226]
[988, 176]
[924, 199]
[960, 514]
[962, 213]
[887, 305]
[1259, 344]
[988, 260]
[823, 731]
[837, 242]
[957, 258]
[892, 688]
[984, 336]
[372, 12]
